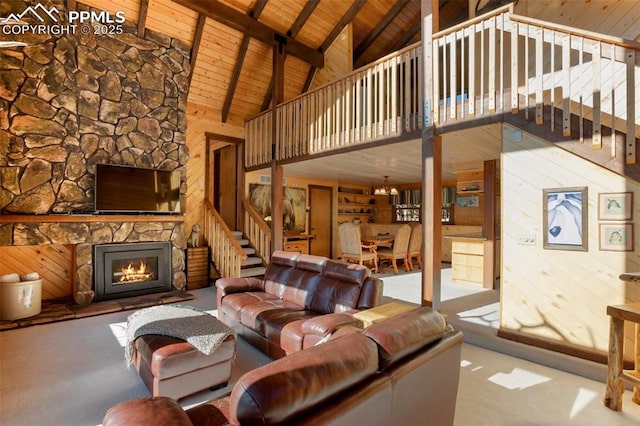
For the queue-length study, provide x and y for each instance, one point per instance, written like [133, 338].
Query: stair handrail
[257, 232]
[226, 251]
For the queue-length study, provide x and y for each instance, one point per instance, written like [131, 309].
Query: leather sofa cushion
[348, 272]
[257, 315]
[169, 357]
[304, 279]
[235, 302]
[404, 334]
[282, 264]
[158, 410]
[276, 392]
[340, 288]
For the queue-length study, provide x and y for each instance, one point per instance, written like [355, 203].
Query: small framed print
[615, 206]
[616, 236]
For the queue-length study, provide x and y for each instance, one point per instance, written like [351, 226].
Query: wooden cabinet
[451, 230]
[354, 202]
[197, 267]
[467, 260]
[301, 246]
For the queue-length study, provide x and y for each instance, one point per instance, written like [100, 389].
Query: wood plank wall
[51, 261]
[559, 295]
[201, 120]
[338, 59]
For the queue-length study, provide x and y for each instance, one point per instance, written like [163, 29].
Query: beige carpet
[70, 373]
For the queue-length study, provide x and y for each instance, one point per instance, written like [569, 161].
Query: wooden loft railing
[493, 64]
[257, 232]
[226, 251]
[378, 101]
[501, 61]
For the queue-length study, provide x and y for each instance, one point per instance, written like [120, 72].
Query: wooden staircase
[252, 266]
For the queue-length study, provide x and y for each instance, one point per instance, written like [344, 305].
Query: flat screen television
[125, 189]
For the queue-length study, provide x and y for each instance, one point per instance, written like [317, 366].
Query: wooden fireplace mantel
[71, 218]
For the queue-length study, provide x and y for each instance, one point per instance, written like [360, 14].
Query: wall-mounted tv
[125, 189]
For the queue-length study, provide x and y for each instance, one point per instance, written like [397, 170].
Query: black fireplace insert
[131, 269]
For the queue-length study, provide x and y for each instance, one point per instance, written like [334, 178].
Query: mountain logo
[39, 12]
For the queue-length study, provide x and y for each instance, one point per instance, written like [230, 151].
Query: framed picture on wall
[616, 236]
[565, 218]
[615, 206]
[293, 205]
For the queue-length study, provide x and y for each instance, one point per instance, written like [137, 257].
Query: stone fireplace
[69, 102]
[126, 270]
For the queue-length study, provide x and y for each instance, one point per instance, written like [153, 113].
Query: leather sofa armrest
[231, 285]
[323, 325]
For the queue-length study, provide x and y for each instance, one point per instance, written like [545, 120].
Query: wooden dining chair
[352, 248]
[415, 246]
[399, 250]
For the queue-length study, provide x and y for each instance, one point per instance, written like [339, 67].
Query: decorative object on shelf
[615, 206]
[386, 188]
[565, 218]
[616, 236]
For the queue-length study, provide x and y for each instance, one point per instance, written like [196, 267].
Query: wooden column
[489, 224]
[277, 172]
[431, 167]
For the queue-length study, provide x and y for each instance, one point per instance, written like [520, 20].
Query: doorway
[223, 177]
[320, 221]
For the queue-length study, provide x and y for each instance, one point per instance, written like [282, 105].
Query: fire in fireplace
[132, 269]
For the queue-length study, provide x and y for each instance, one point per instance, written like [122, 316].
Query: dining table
[378, 241]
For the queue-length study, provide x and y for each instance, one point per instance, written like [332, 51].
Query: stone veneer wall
[70, 102]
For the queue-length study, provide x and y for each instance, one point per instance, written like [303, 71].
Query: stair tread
[252, 272]
[243, 242]
[252, 261]
[249, 250]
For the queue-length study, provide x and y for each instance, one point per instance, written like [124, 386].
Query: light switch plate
[527, 240]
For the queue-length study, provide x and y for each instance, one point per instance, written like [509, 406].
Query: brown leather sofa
[301, 300]
[402, 371]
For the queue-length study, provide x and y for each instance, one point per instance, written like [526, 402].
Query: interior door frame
[330, 216]
[216, 138]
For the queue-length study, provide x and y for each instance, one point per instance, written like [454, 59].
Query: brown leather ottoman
[174, 368]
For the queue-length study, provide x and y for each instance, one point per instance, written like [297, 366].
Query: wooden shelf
[354, 202]
[470, 182]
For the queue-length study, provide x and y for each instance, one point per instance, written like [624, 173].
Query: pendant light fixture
[386, 188]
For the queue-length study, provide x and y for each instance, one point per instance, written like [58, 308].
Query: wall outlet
[527, 240]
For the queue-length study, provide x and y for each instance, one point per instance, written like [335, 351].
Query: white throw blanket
[204, 331]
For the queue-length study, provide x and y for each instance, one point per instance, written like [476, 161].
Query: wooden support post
[615, 387]
[277, 173]
[489, 225]
[431, 166]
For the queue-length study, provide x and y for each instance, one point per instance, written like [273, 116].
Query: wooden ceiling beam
[237, 69]
[142, 17]
[379, 28]
[195, 46]
[301, 19]
[346, 20]
[408, 35]
[230, 17]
